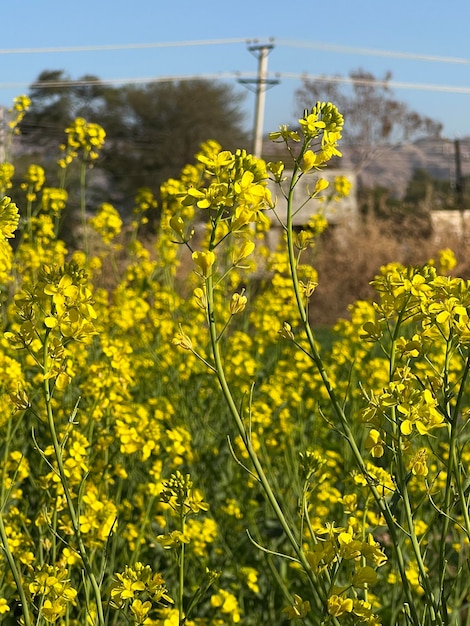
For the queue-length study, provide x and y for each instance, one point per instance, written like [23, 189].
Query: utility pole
[2, 135]
[459, 181]
[261, 83]
[459, 188]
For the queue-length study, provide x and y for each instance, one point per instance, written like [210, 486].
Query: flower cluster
[344, 453]
[84, 140]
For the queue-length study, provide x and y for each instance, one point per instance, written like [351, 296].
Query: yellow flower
[9, 218]
[227, 603]
[7, 171]
[54, 200]
[418, 463]
[204, 260]
[342, 186]
[4, 608]
[107, 222]
[338, 606]
[237, 303]
[298, 609]
[374, 443]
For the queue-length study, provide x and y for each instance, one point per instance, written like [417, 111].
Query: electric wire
[316, 45]
[239, 75]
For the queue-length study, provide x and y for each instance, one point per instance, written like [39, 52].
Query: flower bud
[177, 224]
[237, 303]
[204, 260]
[182, 340]
[243, 252]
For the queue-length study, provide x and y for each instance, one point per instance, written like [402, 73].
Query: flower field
[178, 445]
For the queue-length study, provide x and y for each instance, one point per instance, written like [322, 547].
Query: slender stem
[83, 166]
[15, 571]
[181, 616]
[220, 372]
[63, 479]
[337, 407]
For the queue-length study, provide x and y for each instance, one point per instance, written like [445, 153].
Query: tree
[152, 130]
[373, 117]
[56, 101]
[156, 129]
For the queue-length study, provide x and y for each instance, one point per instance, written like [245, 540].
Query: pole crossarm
[261, 84]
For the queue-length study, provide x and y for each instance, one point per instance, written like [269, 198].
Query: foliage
[177, 449]
[153, 129]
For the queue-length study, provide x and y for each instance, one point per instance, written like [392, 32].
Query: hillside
[393, 166]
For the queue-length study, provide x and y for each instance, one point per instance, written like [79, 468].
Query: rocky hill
[393, 166]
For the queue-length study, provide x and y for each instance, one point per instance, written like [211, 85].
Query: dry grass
[347, 261]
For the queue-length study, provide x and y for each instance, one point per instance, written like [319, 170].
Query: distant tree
[56, 101]
[373, 117]
[152, 130]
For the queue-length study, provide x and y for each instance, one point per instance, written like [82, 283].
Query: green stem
[29, 214]
[83, 167]
[3, 535]
[63, 479]
[337, 407]
[220, 372]
[181, 616]
[15, 571]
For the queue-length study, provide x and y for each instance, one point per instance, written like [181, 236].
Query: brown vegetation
[347, 262]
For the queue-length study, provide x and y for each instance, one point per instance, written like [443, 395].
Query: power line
[378, 83]
[372, 52]
[130, 46]
[246, 40]
[238, 76]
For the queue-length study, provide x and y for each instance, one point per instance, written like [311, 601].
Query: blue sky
[416, 27]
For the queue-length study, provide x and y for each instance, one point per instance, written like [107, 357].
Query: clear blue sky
[416, 27]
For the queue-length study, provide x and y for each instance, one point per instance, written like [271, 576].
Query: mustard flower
[84, 140]
[311, 125]
[107, 222]
[286, 331]
[228, 604]
[298, 609]
[337, 605]
[220, 161]
[240, 254]
[20, 106]
[178, 492]
[173, 539]
[418, 463]
[375, 444]
[144, 201]
[54, 200]
[342, 186]
[9, 218]
[34, 180]
[204, 260]
[238, 303]
[251, 576]
[7, 171]
[4, 608]
[276, 169]
[200, 297]
[284, 134]
[140, 610]
[447, 260]
[182, 340]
